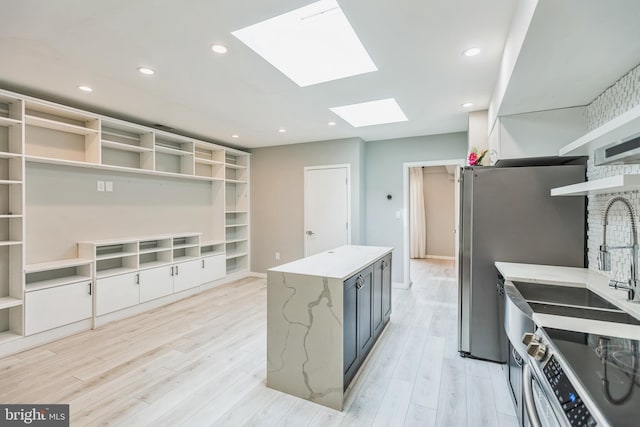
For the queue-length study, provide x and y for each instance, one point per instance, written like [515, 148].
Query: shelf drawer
[50, 308]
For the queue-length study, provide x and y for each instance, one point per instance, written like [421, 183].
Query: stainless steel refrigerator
[507, 214]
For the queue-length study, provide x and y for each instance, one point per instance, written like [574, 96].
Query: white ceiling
[47, 48]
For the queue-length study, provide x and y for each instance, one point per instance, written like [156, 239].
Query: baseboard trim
[401, 285]
[448, 258]
[258, 275]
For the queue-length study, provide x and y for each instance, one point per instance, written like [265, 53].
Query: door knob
[309, 233]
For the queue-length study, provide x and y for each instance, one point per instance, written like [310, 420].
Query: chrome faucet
[604, 257]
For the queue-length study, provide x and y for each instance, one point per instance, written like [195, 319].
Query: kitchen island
[324, 313]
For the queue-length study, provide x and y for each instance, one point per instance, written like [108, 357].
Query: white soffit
[310, 45]
[371, 113]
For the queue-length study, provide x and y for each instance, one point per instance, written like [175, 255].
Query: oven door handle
[529, 402]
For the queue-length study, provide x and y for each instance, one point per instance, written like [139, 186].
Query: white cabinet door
[155, 283]
[186, 275]
[212, 268]
[116, 292]
[50, 308]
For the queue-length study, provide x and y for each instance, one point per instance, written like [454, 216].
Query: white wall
[63, 208]
[439, 206]
[537, 134]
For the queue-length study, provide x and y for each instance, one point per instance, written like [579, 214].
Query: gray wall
[277, 196]
[384, 160]
[439, 208]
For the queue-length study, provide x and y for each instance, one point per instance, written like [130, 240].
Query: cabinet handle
[90, 293]
[359, 282]
[171, 271]
[383, 265]
[202, 263]
[177, 270]
[137, 278]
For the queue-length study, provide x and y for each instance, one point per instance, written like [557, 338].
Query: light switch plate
[100, 186]
[109, 186]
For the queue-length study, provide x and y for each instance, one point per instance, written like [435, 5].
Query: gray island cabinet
[324, 314]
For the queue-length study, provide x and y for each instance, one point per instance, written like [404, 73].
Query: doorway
[437, 232]
[327, 208]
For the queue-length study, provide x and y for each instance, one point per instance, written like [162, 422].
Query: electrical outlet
[277, 256]
[100, 186]
[109, 186]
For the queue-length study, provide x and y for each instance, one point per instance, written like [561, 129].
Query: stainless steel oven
[582, 379]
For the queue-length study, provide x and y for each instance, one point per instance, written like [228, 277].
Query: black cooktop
[608, 368]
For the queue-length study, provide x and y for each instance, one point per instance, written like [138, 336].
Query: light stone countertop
[339, 263]
[595, 281]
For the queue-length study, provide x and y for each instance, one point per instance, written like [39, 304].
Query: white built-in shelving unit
[11, 217]
[111, 274]
[237, 208]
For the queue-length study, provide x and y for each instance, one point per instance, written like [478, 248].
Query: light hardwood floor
[201, 361]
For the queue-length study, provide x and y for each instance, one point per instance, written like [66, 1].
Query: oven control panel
[573, 407]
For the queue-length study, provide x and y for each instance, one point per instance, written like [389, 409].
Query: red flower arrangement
[475, 157]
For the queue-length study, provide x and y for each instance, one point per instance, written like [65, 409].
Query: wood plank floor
[201, 361]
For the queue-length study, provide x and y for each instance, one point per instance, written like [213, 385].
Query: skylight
[371, 113]
[310, 45]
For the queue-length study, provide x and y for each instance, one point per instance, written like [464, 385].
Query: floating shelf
[9, 181]
[125, 147]
[115, 255]
[237, 240]
[236, 255]
[235, 181]
[234, 166]
[60, 126]
[8, 302]
[48, 160]
[10, 216]
[10, 242]
[613, 184]
[174, 151]
[6, 155]
[235, 225]
[53, 265]
[52, 283]
[6, 122]
[623, 126]
[208, 162]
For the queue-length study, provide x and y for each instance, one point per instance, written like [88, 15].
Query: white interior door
[326, 208]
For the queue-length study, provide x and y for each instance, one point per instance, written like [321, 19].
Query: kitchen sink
[563, 295]
[616, 316]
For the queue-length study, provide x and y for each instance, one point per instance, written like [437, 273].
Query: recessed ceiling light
[331, 123]
[146, 71]
[85, 88]
[472, 51]
[235, 135]
[218, 48]
[282, 130]
[371, 113]
[310, 45]
[467, 105]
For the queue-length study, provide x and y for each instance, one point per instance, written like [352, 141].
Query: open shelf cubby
[59, 133]
[236, 233]
[212, 248]
[155, 252]
[236, 197]
[237, 264]
[127, 146]
[174, 154]
[209, 160]
[58, 273]
[186, 247]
